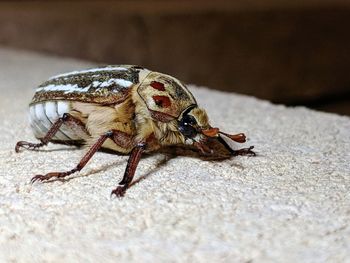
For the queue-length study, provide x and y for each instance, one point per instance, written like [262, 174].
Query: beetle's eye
[188, 120]
[186, 128]
[188, 131]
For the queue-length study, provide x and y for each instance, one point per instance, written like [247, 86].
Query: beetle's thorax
[165, 129]
[164, 132]
[159, 101]
[165, 95]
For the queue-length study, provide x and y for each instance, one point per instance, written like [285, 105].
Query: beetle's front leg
[243, 151]
[204, 149]
[129, 173]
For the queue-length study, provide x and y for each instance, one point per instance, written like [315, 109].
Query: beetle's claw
[39, 177]
[47, 177]
[18, 145]
[245, 151]
[27, 145]
[21, 144]
[119, 191]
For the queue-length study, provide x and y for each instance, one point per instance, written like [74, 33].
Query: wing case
[103, 85]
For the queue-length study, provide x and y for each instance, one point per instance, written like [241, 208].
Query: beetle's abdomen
[43, 115]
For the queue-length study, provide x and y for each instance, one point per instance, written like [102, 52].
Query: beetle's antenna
[240, 137]
[213, 132]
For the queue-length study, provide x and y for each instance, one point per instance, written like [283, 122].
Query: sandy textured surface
[289, 204]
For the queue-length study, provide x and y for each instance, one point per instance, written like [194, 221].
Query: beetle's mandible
[127, 109]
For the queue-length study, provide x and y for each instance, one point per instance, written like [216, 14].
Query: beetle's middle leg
[129, 173]
[50, 134]
[150, 143]
[93, 149]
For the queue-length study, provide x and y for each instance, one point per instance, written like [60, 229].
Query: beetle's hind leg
[94, 148]
[66, 117]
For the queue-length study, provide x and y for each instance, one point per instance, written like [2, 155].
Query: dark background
[292, 52]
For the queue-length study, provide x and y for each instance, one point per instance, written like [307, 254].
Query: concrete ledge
[288, 204]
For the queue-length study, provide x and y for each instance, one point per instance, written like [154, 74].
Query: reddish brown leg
[53, 130]
[243, 151]
[129, 173]
[122, 139]
[81, 164]
[204, 149]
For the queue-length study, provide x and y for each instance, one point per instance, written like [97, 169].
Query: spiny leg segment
[129, 173]
[119, 138]
[244, 151]
[94, 148]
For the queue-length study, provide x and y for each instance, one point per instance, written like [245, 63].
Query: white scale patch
[69, 88]
[41, 118]
[38, 133]
[89, 71]
[120, 82]
[62, 108]
[43, 115]
[52, 115]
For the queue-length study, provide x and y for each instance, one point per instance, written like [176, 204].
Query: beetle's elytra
[127, 109]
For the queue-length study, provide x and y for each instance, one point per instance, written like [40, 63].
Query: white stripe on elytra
[67, 88]
[70, 88]
[89, 71]
[121, 82]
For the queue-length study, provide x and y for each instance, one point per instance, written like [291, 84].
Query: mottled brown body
[127, 109]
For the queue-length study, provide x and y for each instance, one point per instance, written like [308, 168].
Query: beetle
[124, 108]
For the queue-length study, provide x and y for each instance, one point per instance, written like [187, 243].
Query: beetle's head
[194, 126]
[191, 123]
